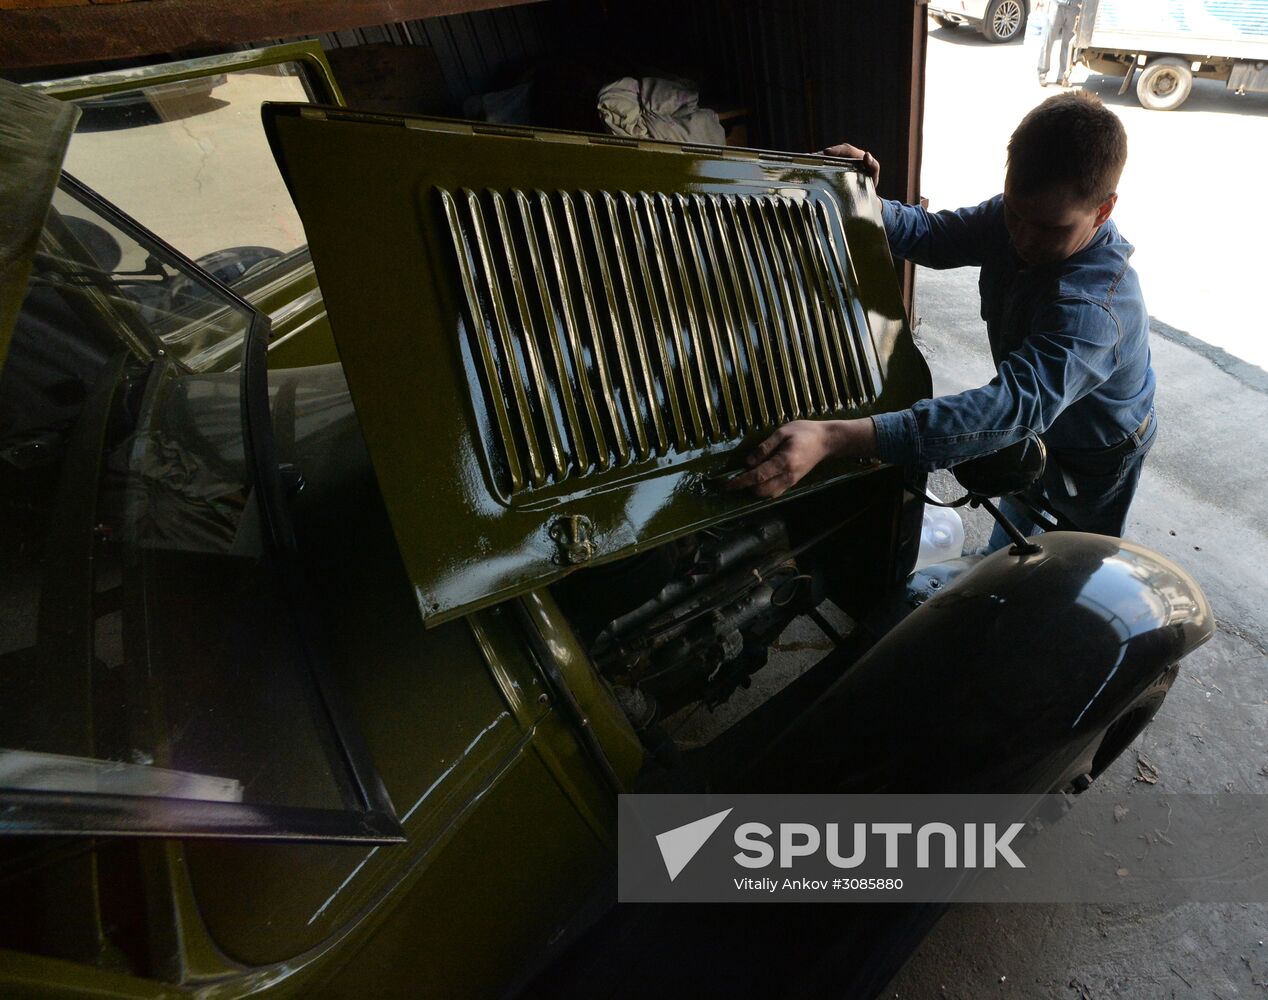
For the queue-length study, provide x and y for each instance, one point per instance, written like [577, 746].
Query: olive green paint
[508, 817]
[36, 133]
[620, 742]
[366, 188]
[309, 54]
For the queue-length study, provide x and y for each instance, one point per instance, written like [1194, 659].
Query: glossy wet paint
[1003, 681]
[440, 411]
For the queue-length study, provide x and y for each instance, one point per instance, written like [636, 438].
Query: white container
[941, 536]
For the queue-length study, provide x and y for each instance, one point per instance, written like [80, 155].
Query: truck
[1172, 42]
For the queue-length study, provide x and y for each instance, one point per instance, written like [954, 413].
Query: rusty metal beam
[914, 99]
[38, 33]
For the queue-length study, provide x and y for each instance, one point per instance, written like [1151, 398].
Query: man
[1062, 19]
[1067, 326]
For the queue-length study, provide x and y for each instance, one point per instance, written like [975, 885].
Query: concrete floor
[1203, 501]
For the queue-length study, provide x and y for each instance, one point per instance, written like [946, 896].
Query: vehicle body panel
[96, 85]
[1228, 42]
[968, 11]
[463, 730]
[1234, 29]
[36, 135]
[1029, 660]
[467, 739]
[422, 356]
[1024, 675]
[1010, 23]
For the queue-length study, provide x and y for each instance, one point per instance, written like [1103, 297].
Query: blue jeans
[1086, 489]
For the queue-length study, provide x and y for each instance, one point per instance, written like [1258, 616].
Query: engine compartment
[722, 619]
[711, 604]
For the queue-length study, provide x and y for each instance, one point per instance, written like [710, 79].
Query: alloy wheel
[1007, 18]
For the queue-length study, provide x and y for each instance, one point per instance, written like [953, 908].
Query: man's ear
[1106, 208]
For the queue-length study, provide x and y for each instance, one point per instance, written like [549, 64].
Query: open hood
[34, 133]
[556, 343]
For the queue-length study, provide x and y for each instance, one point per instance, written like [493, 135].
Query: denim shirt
[1070, 342]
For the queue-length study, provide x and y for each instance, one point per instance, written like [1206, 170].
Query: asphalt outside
[1191, 202]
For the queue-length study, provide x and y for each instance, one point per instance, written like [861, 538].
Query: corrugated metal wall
[475, 51]
[813, 72]
[810, 72]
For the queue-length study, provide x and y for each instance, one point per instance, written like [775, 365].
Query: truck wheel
[1004, 20]
[1164, 84]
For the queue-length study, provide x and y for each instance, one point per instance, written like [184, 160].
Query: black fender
[1018, 677]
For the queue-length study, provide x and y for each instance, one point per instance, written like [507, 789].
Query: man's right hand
[788, 455]
[870, 163]
[784, 458]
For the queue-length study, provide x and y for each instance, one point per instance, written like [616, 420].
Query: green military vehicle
[338, 616]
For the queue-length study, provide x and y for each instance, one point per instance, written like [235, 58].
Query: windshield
[151, 298]
[189, 160]
[150, 646]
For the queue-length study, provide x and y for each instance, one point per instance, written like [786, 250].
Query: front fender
[1007, 681]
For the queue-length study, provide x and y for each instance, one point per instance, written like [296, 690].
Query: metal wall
[809, 72]
[816, 72]
[475, 51]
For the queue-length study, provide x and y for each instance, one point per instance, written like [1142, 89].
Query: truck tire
[1165, 83]
[1004, 20]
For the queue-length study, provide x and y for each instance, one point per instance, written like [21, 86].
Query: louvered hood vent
[558, 344]
[613, 328]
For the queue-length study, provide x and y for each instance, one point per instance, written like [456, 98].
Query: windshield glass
[149, 643]
[151, 298]
[190, 161]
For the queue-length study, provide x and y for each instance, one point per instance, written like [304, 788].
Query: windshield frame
[317, 78]
[367, 815]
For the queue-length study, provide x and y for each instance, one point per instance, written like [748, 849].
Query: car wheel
[946, 22]
[1164, 84]
[1122, 732]
[1004, 20]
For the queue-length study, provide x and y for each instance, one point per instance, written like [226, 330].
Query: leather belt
[1144, 425]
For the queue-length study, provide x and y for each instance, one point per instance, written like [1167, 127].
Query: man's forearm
[941, 239]
[897, 437]
[851, 438]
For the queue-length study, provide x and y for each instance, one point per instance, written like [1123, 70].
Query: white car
[998, 20]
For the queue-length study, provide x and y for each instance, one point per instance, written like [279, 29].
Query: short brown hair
[1070, 140]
